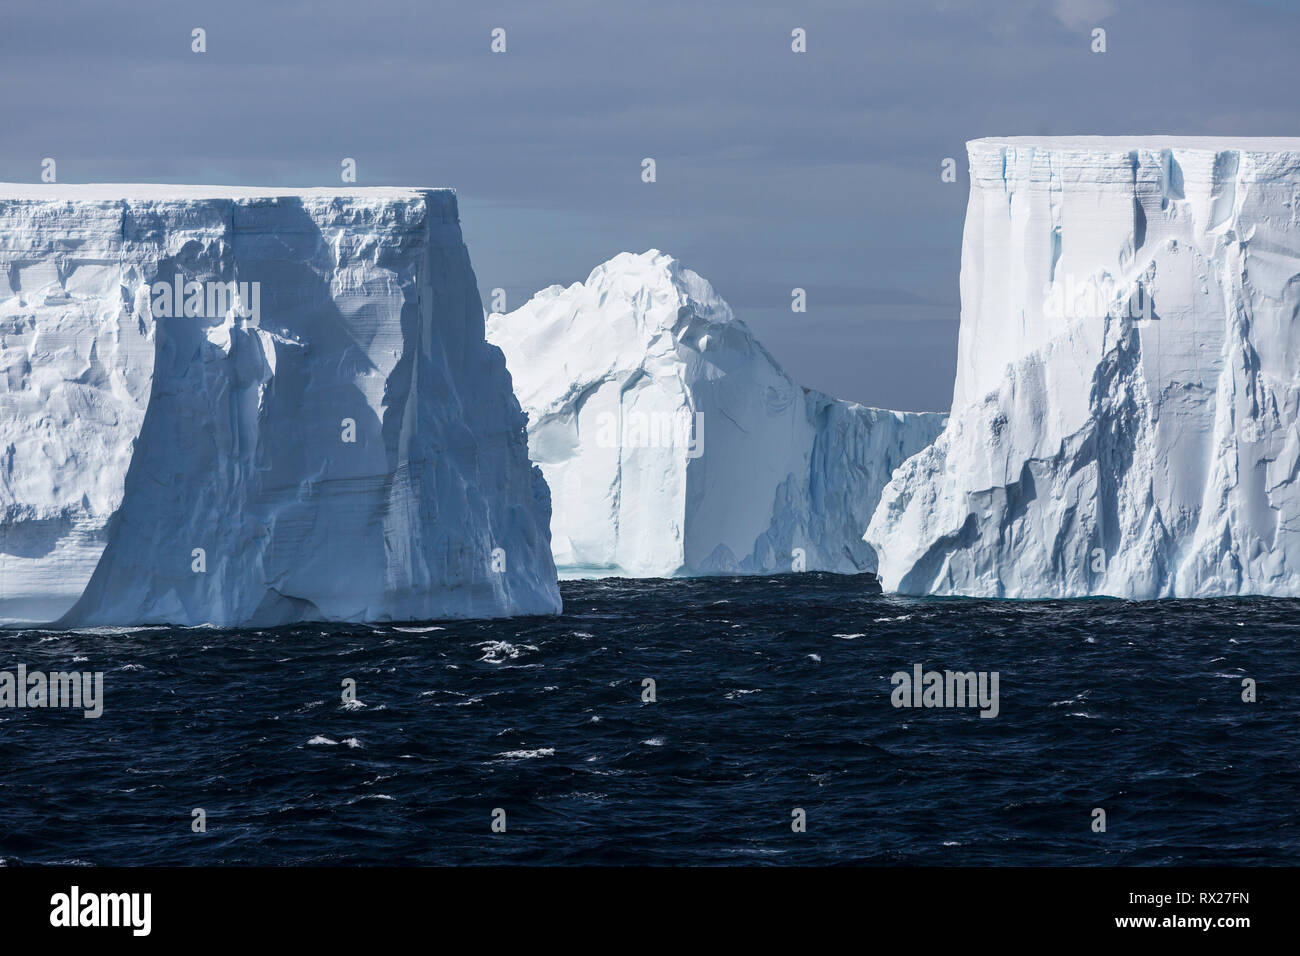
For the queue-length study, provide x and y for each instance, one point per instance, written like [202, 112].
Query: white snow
[674, 444]
[136, 192]
[1124, 420]
[131, 441]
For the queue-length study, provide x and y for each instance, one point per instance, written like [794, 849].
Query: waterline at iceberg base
[1126, 416]
[330, 438]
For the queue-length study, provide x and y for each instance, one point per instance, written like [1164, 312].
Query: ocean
[769, 735]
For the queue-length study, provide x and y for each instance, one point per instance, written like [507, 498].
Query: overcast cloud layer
[775, 169]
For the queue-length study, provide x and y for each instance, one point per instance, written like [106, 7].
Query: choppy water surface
[772, 694]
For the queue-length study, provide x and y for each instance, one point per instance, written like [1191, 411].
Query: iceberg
[1126, 414]
[675, 445]
[244, 406]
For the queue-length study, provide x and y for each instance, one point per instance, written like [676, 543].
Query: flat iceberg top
[166, 191]
[1107, 144]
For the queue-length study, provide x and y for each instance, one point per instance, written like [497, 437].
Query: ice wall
[1124, 420]
[334, 441]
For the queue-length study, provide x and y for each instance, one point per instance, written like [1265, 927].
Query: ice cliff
[1125, 416]
[674, 444]
[254, 406]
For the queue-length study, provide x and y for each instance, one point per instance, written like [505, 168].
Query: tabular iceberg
[253, 406]
[1124, 420]
[674, 444]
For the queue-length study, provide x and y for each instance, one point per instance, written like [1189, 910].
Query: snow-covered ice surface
[130, 440]
[1124, 420]
[674, 444]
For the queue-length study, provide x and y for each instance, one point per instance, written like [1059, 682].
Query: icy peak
[673, 443]
[635, 311]
[654, 277]
[654, 288]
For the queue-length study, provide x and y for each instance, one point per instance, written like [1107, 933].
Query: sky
[774, 170]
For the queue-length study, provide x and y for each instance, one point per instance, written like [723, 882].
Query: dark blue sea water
[772, 694]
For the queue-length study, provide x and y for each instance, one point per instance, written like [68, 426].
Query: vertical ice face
[1124, 420]
[248, 406]
[674, 444]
